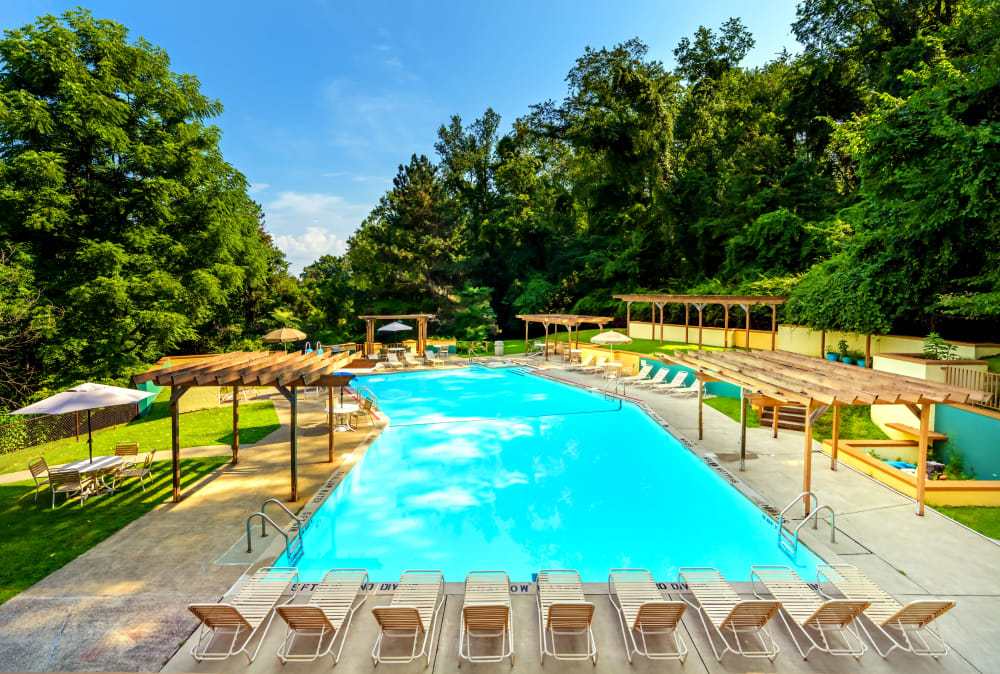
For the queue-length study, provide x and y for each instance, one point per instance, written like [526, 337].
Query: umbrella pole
[90, 438]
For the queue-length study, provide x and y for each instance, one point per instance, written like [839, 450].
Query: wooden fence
[976, 380]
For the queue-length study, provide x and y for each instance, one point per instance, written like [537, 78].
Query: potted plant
[832, 353]
[845, 353]
[858, 357]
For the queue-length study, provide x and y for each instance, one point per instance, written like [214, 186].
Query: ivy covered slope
[125, 233]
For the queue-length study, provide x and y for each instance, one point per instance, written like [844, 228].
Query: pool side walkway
[878, 533]
[121, 606]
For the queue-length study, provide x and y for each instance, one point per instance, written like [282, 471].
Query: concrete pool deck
[121, 605]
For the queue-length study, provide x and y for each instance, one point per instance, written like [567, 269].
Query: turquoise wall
[147, 404]
[975, 436]
[671, 369]
[722, 389]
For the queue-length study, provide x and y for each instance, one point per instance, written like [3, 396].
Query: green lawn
[38, 539]
[993, 363]
[731, 408]
[204, 427]
[984, 520]
[855, 424]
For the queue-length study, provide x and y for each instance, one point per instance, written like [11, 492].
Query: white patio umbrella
[87, 396]
[395, 326]
[611, 337]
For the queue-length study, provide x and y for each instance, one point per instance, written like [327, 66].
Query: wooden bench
[915, 432]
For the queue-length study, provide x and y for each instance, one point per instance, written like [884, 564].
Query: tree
[113, 187]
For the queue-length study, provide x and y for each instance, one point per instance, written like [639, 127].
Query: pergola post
[701, 396]
[628, 320]
[746, 310]
[577, 337]
[835, 440]
[699, 308]
[329, 420]
[725, 329]
[526, 322]
[868, 351]
[236, 423]
[925, 427]
[546, 340]
[774, 419]
[660, 306]
[774, 325]
[744, 401]
[686, 308]
[807, 458]
[822, 344]
[175, 437]
[294, 445]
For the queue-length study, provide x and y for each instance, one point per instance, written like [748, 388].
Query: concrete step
[789, 418]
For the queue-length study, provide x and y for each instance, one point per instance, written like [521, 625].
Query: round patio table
[343, 411]
[99, 468]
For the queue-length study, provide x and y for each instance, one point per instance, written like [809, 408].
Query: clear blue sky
[324, 99]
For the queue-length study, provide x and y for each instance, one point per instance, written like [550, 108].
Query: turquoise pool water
[484, 469]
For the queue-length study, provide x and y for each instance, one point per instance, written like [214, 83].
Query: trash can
[498, 347]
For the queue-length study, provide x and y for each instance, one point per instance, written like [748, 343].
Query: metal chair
[39, 473]
[69, 482]
[139, 471]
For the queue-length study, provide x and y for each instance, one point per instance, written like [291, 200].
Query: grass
[984, 520]
[38, 539]
[993, 363]
[855, 424]
[204, 427]
[731, 408]
[638, 345]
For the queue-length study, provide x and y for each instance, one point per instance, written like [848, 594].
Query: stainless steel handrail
[790, 540]
[262, 516]
[367, 390]
[263, 510]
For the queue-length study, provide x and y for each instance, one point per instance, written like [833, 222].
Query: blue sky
[323, 100]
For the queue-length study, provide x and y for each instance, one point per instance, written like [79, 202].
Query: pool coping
[275, 549]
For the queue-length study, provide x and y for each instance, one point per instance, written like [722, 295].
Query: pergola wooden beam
[569, 320]
[284, 371]
[421, 320]
[782, 377]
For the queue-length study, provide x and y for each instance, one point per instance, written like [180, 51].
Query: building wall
[973, 434]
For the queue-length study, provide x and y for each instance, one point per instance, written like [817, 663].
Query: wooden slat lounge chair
[39, 473]
[414, 609]
[563, 611]
[909, 624]
[718, 604]
[392, 361]
[658, 377]
[145, 469]
[642, 609]
[69, 482]
[328, 614]
[241, 616]
[811, 614]
[487, 615]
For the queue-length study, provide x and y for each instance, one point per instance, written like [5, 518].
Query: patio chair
[718, 604]
[676, 383]
[415, 607]
[364, 410]
[583, 365]
[145, 469]
[432, 358]
[69, 482]
[328, 614]
[814, 617]
[487, 615]
[129, 451]
[563, 611]
[642, 609]
[596, 368]
[681, 389]
[411, 360]
[641, 376]
[392, 361]
[658, 377]
[38, 469]
[242, 616]
[909, 624]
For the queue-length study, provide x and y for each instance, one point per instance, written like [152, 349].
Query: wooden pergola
[781, 378]
[284, 371]
[421, 320]
[570, 321]
[699, 302]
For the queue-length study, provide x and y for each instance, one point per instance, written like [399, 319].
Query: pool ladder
[612, 393]
[293, 544]
[365, 390]
[788, 539]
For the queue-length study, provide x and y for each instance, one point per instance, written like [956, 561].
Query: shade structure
[282, 335]
[87, 396]
[395, 326]
[611, 337]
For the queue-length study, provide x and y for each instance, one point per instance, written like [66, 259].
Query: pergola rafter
[570, 321]
[284, 371]
[782, 378]
[421, 320]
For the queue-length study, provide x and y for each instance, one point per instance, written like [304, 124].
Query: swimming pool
[498, 469]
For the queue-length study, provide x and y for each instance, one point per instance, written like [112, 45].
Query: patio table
[343, 411]
[99, 468]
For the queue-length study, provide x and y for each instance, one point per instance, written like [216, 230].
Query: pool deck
[121, 605]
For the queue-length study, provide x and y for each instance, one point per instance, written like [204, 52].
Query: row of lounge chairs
[409, 360]
[649, 623]
[645, 378]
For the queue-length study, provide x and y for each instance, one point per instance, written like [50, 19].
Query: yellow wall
[759, 339]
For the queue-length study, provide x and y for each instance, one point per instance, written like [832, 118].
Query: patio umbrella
[611, 337]
[282, 335]
[395, 326]
[86, 396]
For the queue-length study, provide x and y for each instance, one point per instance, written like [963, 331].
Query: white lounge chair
[642, 375]
[414, 609]
[487, 615]
[658, 378]
[643, 611]
[432, 358]
[242, 615]
[597, 367]
[564, 612]
[681, 389]
[328, 614]
[909, 623]
[392, 361]
[719, 605]
[583, 365]
[814, 617]
[411, 360]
